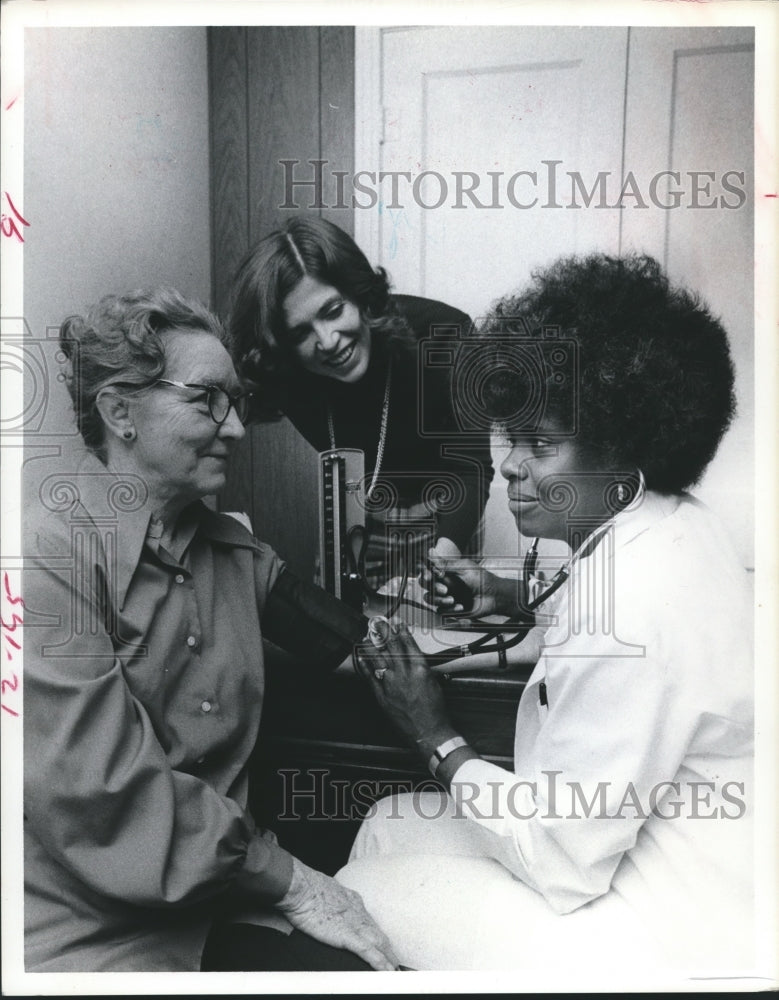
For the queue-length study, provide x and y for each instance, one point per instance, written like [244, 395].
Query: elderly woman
[622, 837]
[315, 326]
[146, 613]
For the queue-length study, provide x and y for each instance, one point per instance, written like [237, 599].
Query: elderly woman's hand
[405, 687]
[326, 910]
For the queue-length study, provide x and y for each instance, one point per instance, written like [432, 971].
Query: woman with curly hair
[145, 618]
[316, 328]
[621, 839]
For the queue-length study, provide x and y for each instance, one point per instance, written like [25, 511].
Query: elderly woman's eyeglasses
[218, 400]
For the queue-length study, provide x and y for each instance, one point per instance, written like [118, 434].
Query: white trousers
[426, 877]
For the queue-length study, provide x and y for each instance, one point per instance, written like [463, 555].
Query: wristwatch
[442, 752]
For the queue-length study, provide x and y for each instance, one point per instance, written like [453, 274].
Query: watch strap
[441, 752]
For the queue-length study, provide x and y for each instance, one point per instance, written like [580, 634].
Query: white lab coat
[624, 834]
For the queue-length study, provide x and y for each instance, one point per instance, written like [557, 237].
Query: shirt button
[179, 578]
[206, 706]
[191, 640]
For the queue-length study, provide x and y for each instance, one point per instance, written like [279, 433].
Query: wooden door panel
[277, 93]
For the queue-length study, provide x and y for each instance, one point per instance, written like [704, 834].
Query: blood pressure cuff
[310, 623]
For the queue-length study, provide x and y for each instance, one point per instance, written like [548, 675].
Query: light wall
[116, 176]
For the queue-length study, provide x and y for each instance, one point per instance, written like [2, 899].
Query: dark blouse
[426, 454]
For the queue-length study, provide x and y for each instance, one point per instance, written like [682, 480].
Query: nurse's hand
[406, 689]
[326, 910]
[445, 560]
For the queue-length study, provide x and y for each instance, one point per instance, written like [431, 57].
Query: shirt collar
[223, 528]
[635, 520]
[195, 521]
[631, 522]
[117, 501]
[626, 526]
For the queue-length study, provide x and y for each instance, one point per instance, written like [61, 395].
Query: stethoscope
[519, 624]
[357, 541]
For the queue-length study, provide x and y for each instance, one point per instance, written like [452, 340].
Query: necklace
[382, 431]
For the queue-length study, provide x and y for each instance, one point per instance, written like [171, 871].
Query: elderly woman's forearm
[310, 623]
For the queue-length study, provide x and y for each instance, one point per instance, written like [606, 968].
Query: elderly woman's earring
[128, 434]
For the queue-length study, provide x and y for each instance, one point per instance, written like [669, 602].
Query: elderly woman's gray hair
[118, 343]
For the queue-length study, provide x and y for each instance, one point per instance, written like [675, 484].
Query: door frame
[368, 127]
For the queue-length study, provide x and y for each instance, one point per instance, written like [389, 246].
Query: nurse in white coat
[622, 840]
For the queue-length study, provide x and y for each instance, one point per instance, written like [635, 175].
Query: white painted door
[486, 109]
